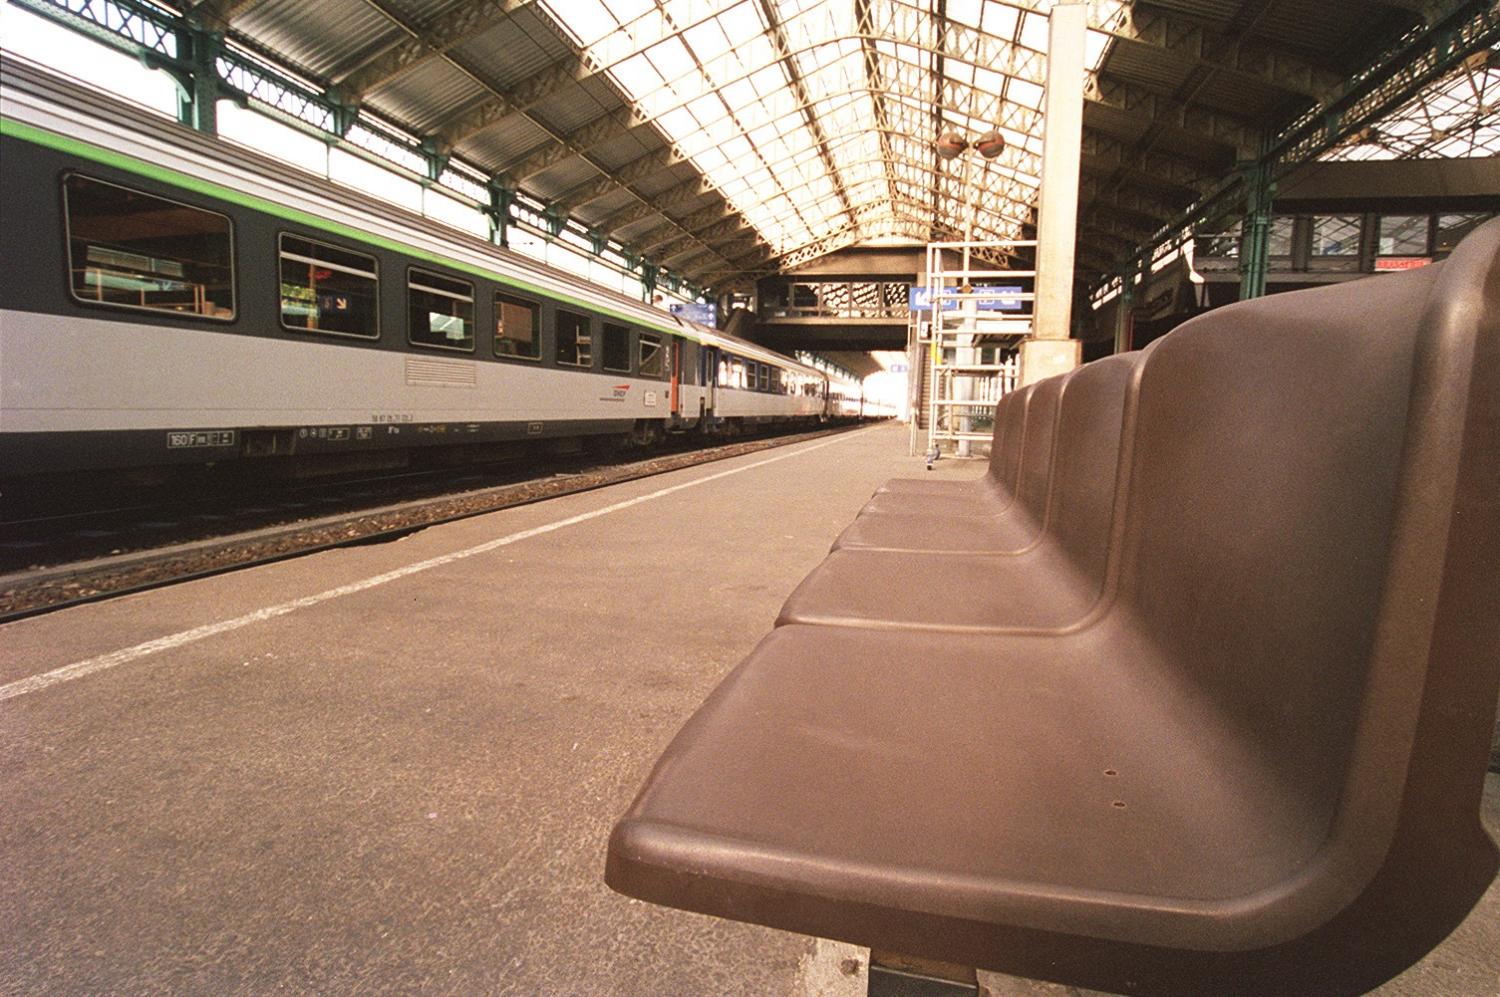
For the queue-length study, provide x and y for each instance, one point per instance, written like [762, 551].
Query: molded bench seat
[1068, 480]
[995, 488]
[1256, 770]
[1027, 490]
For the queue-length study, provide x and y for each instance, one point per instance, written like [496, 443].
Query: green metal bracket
[1256, 254]
[498, 212]
[437, 158]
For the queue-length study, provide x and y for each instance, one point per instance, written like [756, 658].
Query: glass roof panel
[814, 126]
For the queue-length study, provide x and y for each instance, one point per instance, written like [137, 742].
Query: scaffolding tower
[964, 339]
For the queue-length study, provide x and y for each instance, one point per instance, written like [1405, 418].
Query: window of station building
[441, 311]
[1335, 235]
[329, 290]
[616, 348]
[653, 357]
[1451, 230]
[1280, 235]
[136, 250]
[1225, 243]
[575, 340]
[1403, 235]
[518, 326]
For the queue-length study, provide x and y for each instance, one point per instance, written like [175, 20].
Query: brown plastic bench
[990, 493]
[930, 486]
[1073, 504]
[1003, 499]
[1039, 566]
[1258, 772]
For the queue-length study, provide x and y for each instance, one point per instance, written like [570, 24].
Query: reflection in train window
[518, 324]
[616, 348]
[441, 311]
[324, 289]
[575, 342]
[652, 356]
[135, 250]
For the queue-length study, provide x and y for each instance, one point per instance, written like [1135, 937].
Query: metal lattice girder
[1126, 230]
[1429, 11]
[799, 91]
[516, 99]
[864, 24]
[671, 199]
[692, 226]
[1190, 41]
[739, 263]
[631, 173]
[1418, 59]
[1156, 109]
[447, 30]
[1466, 28]
[1126, 198]
[218, 15]
[576, 143]
[1113, 154]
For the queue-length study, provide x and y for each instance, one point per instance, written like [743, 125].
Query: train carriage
[170, 298]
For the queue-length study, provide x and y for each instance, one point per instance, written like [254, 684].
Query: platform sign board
[703, 314]
[990, 298]
[1400, 262]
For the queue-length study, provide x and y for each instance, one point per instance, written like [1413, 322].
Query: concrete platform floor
[393, 768]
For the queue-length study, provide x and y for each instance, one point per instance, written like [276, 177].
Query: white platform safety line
[79, 669]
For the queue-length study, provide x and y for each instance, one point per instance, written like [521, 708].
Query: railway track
[50, 561]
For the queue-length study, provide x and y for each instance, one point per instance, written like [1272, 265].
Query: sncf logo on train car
[618, 393]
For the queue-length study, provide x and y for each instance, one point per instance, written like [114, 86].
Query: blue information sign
[990, 297]
[694, 312]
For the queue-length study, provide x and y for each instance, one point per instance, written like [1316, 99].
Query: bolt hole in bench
[1237, 743]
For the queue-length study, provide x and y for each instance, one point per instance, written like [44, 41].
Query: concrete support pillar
[1050, 351]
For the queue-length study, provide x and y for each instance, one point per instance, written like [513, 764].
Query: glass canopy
[817, 119]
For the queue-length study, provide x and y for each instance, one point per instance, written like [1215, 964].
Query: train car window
[328, 290]
[765, 378]
[134, 250]
[440, 311]
[616, 348]
[653, 357]
[776, 380]
[575, 340]
[518, 326]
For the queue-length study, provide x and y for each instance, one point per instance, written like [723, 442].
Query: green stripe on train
[130, 164]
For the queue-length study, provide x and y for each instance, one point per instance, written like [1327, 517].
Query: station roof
[730, 138]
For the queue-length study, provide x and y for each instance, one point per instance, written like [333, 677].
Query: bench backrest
[1272, 441]
[1035, 471]
[1006, 470]
[1081, 498]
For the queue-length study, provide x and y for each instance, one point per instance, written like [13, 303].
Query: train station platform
[394, 768]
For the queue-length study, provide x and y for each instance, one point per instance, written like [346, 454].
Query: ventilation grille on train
[441, 373]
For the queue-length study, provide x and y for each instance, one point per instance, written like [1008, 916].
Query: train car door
[708, 359]
[676, 377]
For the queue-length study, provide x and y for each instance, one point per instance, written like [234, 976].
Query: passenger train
[168, 298]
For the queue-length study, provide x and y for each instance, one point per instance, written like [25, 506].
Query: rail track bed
[79, 555]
